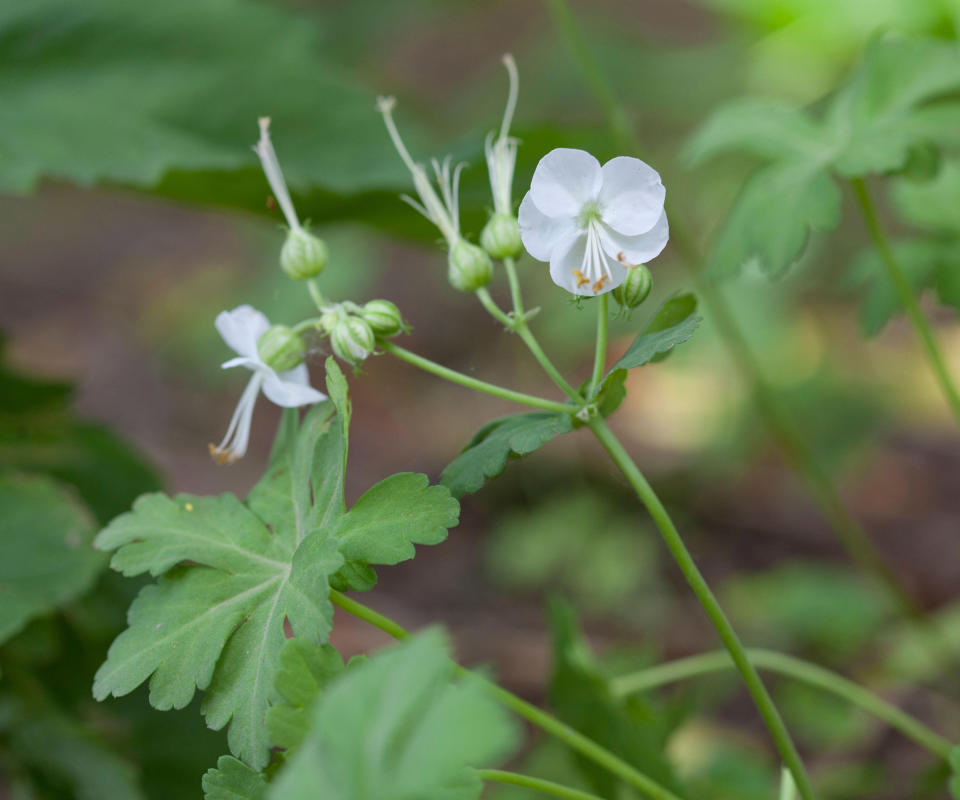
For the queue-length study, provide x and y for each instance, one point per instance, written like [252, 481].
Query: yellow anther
[220, 456]
[599, 284]
[581, 280]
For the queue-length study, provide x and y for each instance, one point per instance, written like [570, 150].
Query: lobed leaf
[397, 728]
[233, 780]
[487, 453]
[672, 324]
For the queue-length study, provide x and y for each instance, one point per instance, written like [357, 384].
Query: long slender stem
[474, 383]
[908, 298]
[849, 532]
[600, 351]
[528, 711]
[537, 784]
[493, 309]
[804, 671]
[762, 699]
[315, 294]
[516, 295]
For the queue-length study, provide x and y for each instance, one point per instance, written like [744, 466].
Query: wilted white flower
[593, 223]
[242, 329]
[501, 152]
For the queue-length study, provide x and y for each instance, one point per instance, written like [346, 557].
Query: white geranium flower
[242, 329]
[593, 223]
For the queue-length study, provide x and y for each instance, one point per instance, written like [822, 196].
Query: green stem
[537, 784]
[764, 703]
[797, 669]
[849, 532]
[523, 331]
[600, 351]
[908, 298]
[495, 311]
[315, 294]
[474, 383]
[528, 711]
[307, 324]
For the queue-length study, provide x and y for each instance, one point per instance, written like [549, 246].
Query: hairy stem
[908, 298]
[771, 716]
[569, 736]
[804, 671]
[537, 784]
[474, 383]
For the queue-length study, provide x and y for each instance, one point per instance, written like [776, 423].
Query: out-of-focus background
[115, 260]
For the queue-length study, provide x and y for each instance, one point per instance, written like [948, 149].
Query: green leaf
[233, 780]
[305, 669]
[394, 515]
[397, 728]
[46, 558]
[770, 236]
[931, 205]
[487, 453]
[886, 107]
[674, 323]
[757, 127]
[87, 76]
[580, 695]
[613, 391]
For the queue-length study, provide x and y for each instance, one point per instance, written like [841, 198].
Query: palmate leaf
[898, 102]
[231, 574]
[46, 557]
[487, 453]
[396, 728]
[672, 324]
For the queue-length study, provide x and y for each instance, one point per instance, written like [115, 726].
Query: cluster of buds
[354, 330]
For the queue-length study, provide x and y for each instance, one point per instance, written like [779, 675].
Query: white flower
[593, 223]
[444, 213]
[501, 152]
[241, 329]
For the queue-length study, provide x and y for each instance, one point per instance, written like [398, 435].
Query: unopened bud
[303, 255]
[635, 287]
[281, 348]
[352, 339]
[470, 268]
[383, 317]
[501, 236]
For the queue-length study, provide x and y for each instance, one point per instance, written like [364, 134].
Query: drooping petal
[632, 195]
[565, 180]
[242, 361]
[241, 329]
[292, 388]
[540, 233]
[633, 250]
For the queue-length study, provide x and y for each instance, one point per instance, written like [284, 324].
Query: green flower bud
[383, 317]
[635, 287]
[281, 348]
[470, 268]
[501, 236]
[303, 255]
[352, 339]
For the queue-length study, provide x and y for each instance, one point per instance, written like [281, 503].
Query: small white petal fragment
[631, 196]
[241, 329]
[271, 168]
[564, 181]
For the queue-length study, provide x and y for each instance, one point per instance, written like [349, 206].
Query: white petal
[564, 181]
[632, 195]
[242, 361]
[242, 328]
[633, 250]
[540, 233]
[569, 257]
[292, 388]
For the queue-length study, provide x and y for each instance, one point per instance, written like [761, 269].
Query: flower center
[590, 213]
[595, 268]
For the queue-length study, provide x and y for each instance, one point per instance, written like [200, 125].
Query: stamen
[599, 284]
[234, 444]
[581, 280]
